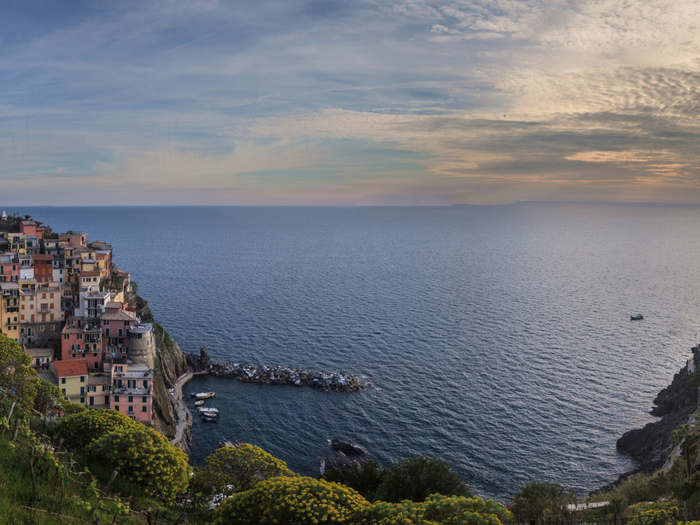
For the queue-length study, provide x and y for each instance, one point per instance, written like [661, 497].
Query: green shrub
[364, 478]
[80, 430]
[292, 501]
[436, 509]
[16, 376]
[146, 458]
[236, 469]
[418, 477]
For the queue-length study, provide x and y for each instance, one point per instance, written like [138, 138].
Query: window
[145, 383]
[131, 409]
[144, 409]
[41, 328]
[53, 327]
[105, 388]
[91, 389]
[82, 390]
[144, 399]
[116, 398]
[140, 336]
[116, 407]
[131, 399]
[118, 368]
[97, 365]
[82, 400]
[107, 324]
[121, 333]
[63, 380]
[107, 332]
[64, 391]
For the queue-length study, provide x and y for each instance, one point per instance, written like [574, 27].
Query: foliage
[48, 398]
[16, 376]
[82, 429]
[365, 478]
[436, 509]
[656, 516]
[536, 501]
[146, 458]
[418, 477]
[236, 469]
[292, 501]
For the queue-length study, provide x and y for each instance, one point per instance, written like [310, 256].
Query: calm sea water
[497, 338]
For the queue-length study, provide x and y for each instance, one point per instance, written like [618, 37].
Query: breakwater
[279, 375]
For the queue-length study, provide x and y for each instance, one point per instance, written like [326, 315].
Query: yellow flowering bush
[81, 429]
[147, 458]
[292, 501]
[436, 509]
[236, 469]
[656, 516]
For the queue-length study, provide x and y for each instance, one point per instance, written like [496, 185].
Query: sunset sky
[349, 102]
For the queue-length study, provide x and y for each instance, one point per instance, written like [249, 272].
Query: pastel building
[41, 358]
[9, 310]
[43, 268]
[116, 329]
[9, 268]
[26, 268]
[82, 340]
[41, 314]
[72, 378]
[132, 390]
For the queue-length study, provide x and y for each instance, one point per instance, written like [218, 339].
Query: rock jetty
[279, 375]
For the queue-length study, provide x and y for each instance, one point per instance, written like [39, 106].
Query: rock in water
[347, 448]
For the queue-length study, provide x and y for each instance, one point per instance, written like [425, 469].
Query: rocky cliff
[170, 363]
[651, 445]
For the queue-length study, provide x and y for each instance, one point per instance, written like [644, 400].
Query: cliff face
[169, 364]
[651, 444]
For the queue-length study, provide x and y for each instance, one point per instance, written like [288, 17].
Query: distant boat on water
[638, 317]
[203, 395]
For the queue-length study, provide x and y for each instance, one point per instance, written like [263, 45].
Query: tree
[418, 477]
[16, 377]
[536, 501]
[236, 469]
[48, 398]
[365, 478]
[80, 430]
[147, 458]
[292, 501]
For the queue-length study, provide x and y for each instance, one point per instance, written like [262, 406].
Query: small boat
[210, 419]
[203, 395]
[198, 403]
[637, 317]
[208, 410]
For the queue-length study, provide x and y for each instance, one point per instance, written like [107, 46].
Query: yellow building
[72, 378]
[9, 310]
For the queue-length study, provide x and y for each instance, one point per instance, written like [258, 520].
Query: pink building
[81, 340]
[132, 390]
[115, 324]
[9, 268]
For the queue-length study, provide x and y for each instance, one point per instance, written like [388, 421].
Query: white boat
[203, 395]
[198, 403]
[209, 410]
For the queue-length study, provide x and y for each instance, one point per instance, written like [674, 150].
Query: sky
[368, 102]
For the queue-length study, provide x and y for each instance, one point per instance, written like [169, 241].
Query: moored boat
[210, 419]
[198, 403]
[203, 395]
[209, 410]
[637, 317]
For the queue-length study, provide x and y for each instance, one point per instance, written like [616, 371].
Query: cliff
[651, 445]
[170, 363]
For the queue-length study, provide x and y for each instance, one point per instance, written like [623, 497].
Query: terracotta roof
[43, 257]
[91, 273]
[121, 315]
[71, 368]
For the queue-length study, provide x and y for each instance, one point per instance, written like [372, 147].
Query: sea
[495, 338]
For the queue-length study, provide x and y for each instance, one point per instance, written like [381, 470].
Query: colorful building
[72, 378]
[9, 268]
[132, 390]
[9, 310]
[82, 341]
[43, 268]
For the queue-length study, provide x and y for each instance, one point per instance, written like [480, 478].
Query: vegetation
[292, 501]
[16, 376]
[412, 479]
[146, 458]
[82, 429]
[365, 478]
[537, 501]
[230, 470]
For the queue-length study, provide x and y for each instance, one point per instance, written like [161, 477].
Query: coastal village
[70, 308]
